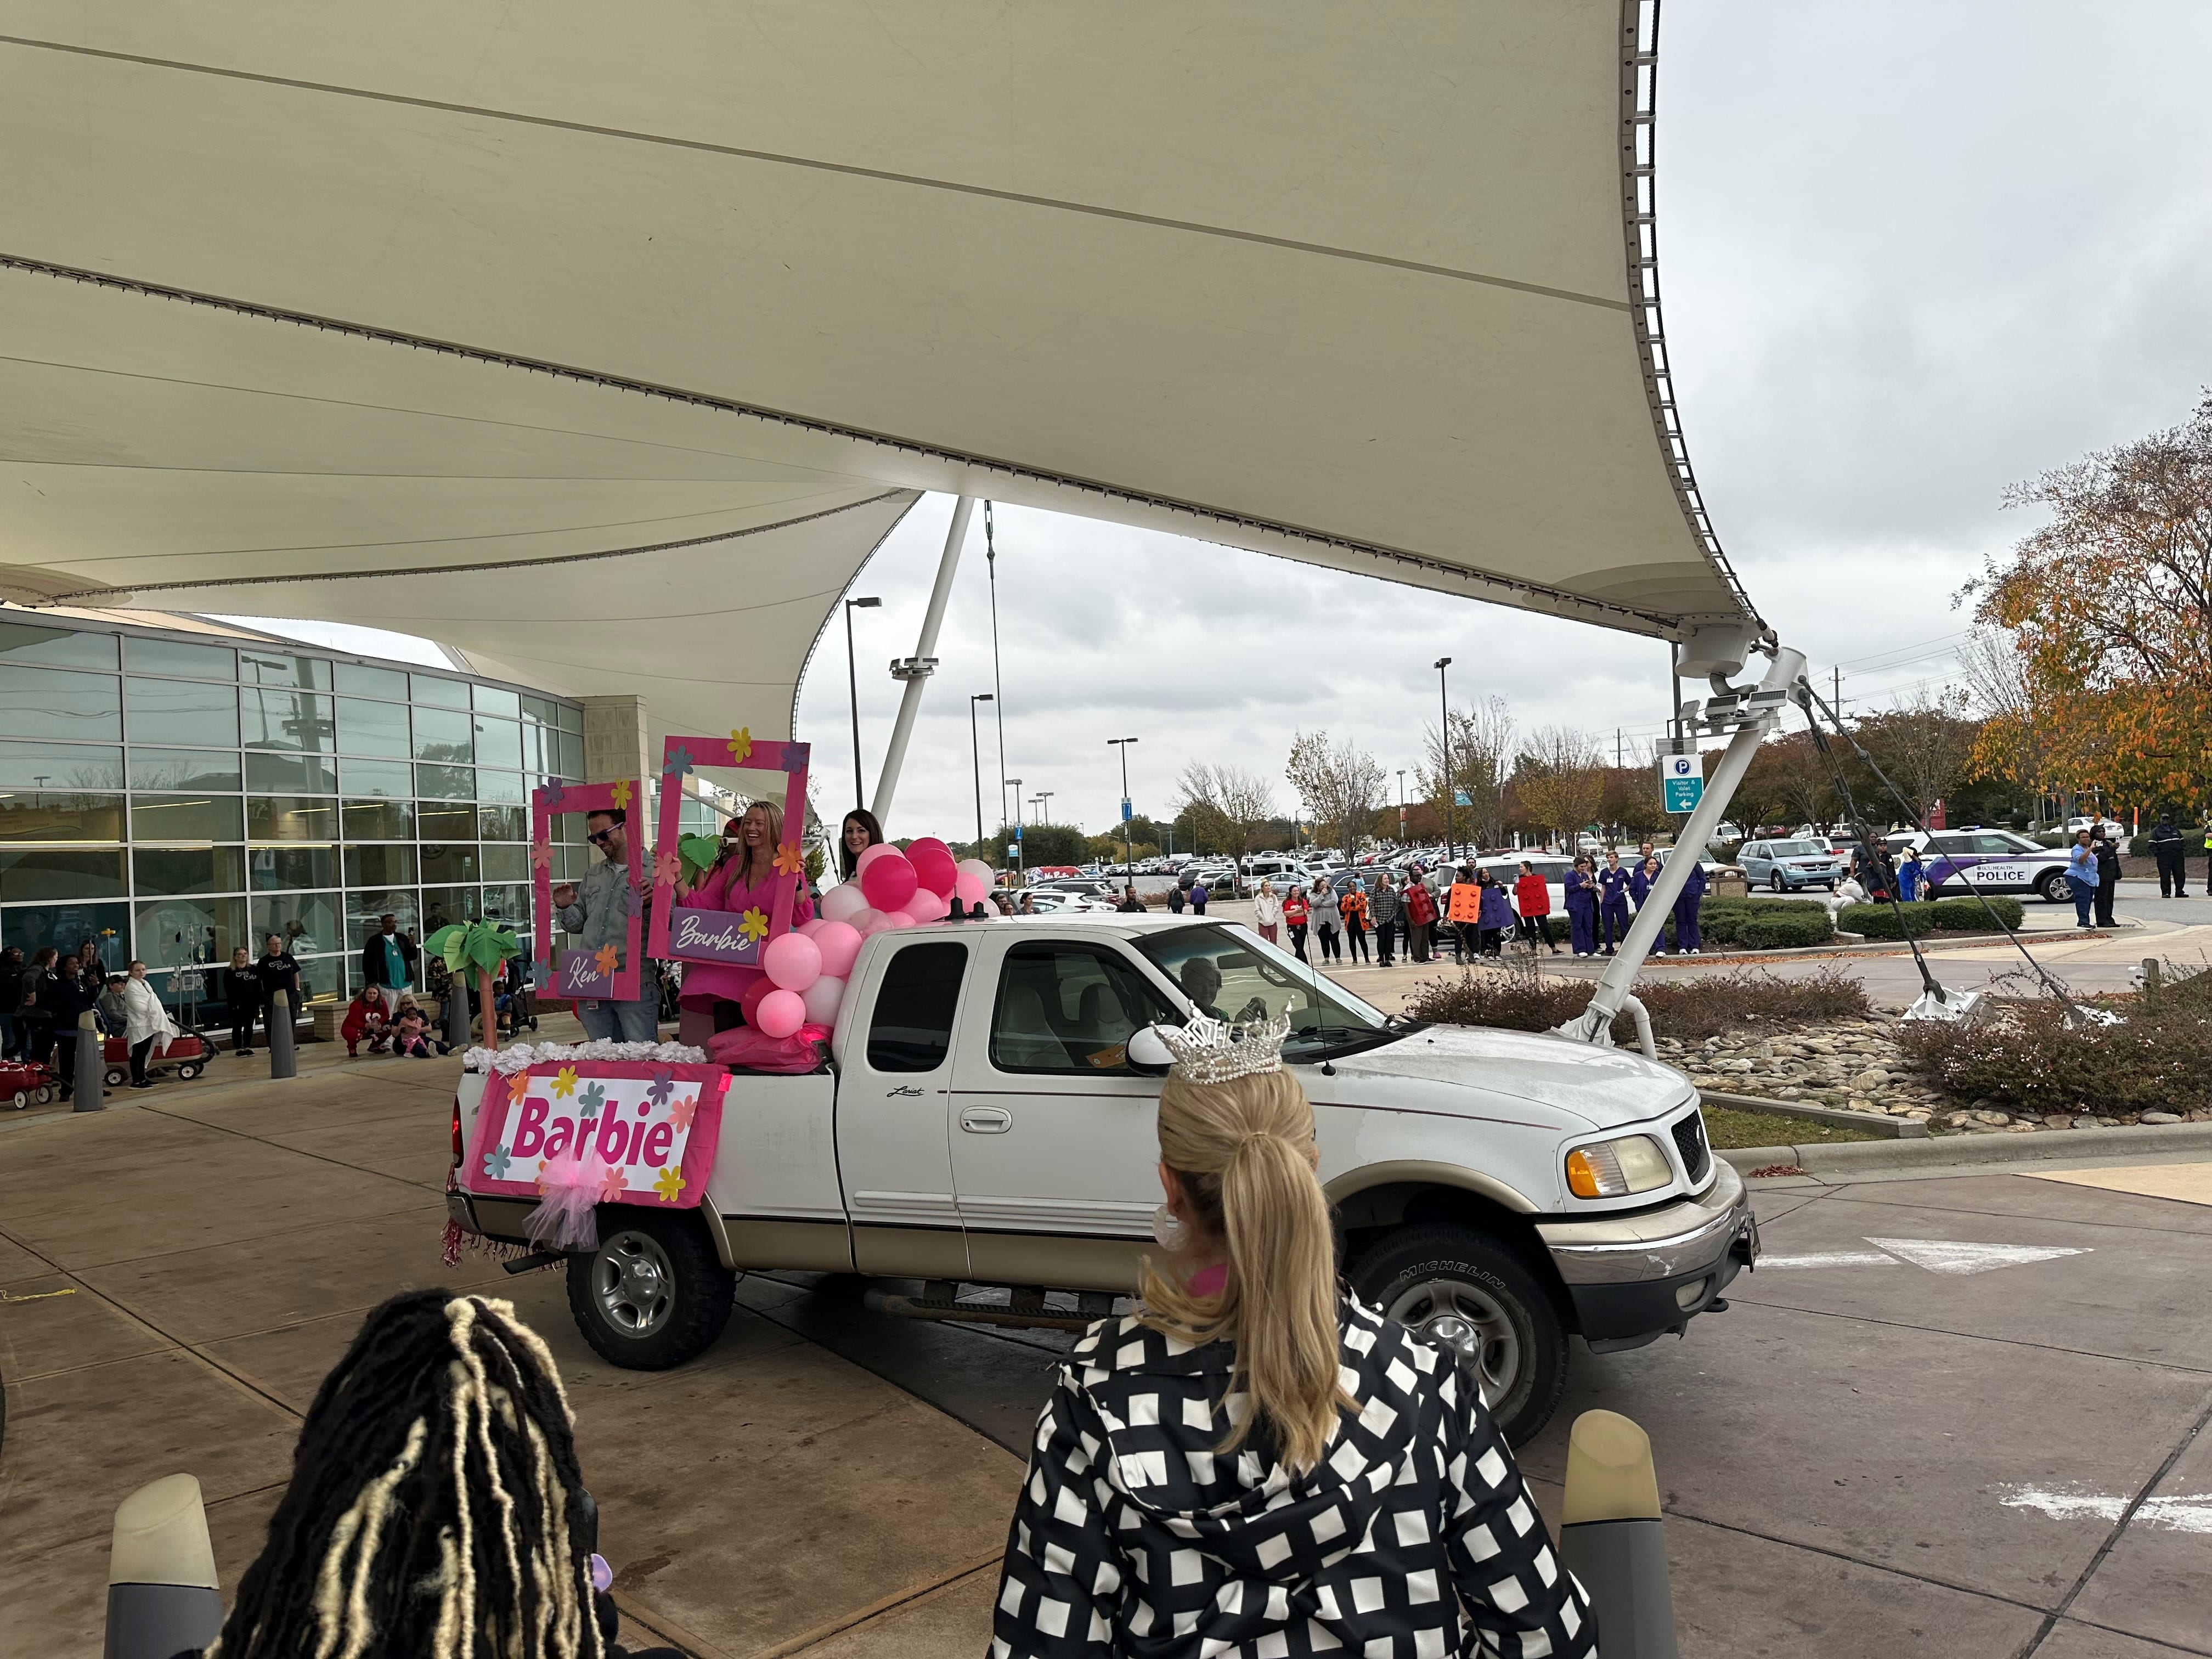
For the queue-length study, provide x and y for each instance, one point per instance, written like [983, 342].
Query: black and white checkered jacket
[1412, 1539]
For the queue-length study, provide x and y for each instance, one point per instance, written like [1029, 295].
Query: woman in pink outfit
[743, 877]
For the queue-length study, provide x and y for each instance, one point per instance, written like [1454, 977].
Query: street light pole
[1402, 806]
[853, 682]
[1443, 737]
[1128, 823]
[975, 748]
[1021, 819]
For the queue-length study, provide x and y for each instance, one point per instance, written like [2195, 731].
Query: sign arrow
[1937, 1255]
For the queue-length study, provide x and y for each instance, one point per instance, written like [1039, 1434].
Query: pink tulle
[748, 1048]
[567, 1218]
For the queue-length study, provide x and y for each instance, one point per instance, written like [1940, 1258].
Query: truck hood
[1529, 1076]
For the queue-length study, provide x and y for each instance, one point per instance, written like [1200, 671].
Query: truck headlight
[1615, 1168]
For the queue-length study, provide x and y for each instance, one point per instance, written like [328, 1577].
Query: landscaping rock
[2163, 1117]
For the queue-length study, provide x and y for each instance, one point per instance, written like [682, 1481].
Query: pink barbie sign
[612, 970]
[650, 1131]
[683, 933]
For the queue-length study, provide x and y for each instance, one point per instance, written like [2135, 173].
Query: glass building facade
[173, 796]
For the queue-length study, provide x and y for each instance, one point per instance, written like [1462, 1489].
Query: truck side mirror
[1147, 1054]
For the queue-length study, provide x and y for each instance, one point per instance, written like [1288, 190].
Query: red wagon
[25, 1083]
[189, 1054]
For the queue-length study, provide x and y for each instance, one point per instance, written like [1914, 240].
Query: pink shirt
[705, 982]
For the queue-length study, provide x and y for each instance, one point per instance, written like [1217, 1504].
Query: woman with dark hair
[860, 832]
[435, 1507]
[1255, 1460]
[68, 998]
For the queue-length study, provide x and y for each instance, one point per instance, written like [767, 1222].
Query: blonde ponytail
[1244, 1151]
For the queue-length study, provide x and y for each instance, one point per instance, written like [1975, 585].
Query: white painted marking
[1944, 1255]
[1829, 1259]
[2182, 1513]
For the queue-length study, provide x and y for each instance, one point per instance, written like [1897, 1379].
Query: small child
[411, 1033]
[365, 1018]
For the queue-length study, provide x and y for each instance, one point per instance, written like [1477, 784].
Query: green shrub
[1959, 915]
[1758, 924]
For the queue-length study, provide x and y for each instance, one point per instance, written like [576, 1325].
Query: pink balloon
[841, 903]
[865, 921]
[822, 998]
[888, 883]
[792, 960]
[869, 856]
[970, 892]
[927, 906]
[811, 929]
[750, 1002]
[896, 919]
[839, 943]
[781, 1012]
[983, 871]
[933, 864]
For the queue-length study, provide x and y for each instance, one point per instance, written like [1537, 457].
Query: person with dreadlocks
[1256, 1461]
[437, 1509]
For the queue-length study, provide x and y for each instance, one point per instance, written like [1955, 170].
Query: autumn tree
[1340, 784]
[1925, 749]
[1560, 781]
[1225, 806]
[1481, 760]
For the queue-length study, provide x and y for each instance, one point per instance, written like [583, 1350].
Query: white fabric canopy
[297, 292]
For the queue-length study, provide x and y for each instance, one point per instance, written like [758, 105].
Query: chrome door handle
[987, 1121]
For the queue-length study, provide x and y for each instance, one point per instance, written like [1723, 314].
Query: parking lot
[1962, 1415]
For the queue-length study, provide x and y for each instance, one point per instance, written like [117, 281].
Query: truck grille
[1690, 1139]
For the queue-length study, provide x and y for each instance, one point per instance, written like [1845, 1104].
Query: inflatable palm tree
[478, 948]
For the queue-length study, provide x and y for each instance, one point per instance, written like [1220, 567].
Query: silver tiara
[1213, 1051]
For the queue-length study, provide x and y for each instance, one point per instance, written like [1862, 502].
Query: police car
[1994, 861]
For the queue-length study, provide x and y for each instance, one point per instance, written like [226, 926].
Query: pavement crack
[1738, 1298]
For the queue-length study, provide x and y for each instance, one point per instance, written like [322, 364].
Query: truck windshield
[1235, 975]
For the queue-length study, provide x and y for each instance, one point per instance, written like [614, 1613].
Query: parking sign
[1681, 780]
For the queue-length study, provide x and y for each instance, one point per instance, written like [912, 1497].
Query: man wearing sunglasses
[597, 910]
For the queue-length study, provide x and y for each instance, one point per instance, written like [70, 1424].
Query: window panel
[308, 923]
[173, 932]
[570, 717]
[503, 787]
[496, 700]
[442, 907]
[438, 820]
[539, 746]
[444, 734]
[499, 743]
[379, 820]
[543, 710]
[379, 777]
[32, 814]
[197, 662]
[372, 728]
[509, 903]
[912, 1026]
[58, 872]
[503, 823]
[365, 681]
[182, 712]
[448, 864]
[1070, 1009]
[572, 756]
[293, 869]
[62, 925]
[364, 911]
[446, 782]
[381, 866]
[290, 774]
[292, 817]
[168, 870]
[197, 816]
[54, 702]
[199, 770]
[56, 648]
[61, 765]
[275, 668]
[505, 863]
[301, 721]
[438, 692]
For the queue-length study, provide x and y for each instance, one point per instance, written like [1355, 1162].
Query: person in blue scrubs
[1580, 886]
[1687, 937]
[1613, 902]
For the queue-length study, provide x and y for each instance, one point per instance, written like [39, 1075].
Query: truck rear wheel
[654, 1294]
[1467, 1292]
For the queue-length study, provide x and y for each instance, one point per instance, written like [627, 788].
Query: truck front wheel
[1464, 1291]
[654, 1293]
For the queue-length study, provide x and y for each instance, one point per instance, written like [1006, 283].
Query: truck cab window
[1066, 1007]
[912, 1030]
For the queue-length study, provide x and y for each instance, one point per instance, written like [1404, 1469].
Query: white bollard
[91, 1065]
[1612, 1539]
[283, 1059]
[162, 1595]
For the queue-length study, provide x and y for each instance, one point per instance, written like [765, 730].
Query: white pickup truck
[983, 1128]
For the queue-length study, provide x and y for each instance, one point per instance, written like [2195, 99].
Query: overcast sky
[1910, 253]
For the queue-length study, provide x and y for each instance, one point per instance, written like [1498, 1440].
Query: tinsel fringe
[524, 1055]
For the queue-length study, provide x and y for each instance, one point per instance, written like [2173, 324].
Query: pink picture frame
[586, 974]
[682, 934]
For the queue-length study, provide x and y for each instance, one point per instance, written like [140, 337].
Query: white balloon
[981, 870]
[822, 998]
[840, 903]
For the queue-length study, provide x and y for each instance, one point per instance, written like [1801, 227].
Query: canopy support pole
[916, 670]
[1594, 1024]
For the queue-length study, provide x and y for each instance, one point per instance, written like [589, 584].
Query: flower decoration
[495, 1163]
[741, 745]
[611, 1186]
[668, 1183]
[555, 794]
[605, 958]
[679, 1115]
[517, 1086]
[564, 1081]
[622, 793]
[541, 855]
[679, 761]
[667, 866]
[592, 1099]
[789, 859]
[663, 1083]
[754, 926]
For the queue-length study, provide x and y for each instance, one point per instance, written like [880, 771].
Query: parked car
[1994, 861]
[1059, 901]
[986, 1120]
[1787, 865]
